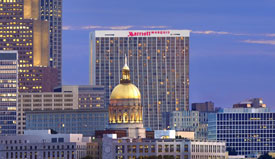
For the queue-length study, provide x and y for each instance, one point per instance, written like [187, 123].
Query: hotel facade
[159, 64]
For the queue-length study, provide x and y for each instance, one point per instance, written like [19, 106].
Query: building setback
[248, 131]
[159, 61]
[51, 10]
[22, 30]
[8, 91]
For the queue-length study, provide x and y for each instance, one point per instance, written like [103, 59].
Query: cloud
[209, 32]
[212, 32]
[270, 35]
[90, 27]
[122, 27]
[156, 27]
[67, 28]
[268, 42]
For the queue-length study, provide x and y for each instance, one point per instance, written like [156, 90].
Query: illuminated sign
[148, 33]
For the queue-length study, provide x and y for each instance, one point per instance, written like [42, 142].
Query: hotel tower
[159, 64]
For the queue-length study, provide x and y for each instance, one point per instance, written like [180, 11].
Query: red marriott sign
[148, 33]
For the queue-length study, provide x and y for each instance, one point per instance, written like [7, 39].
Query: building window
[153, 148]
[159, 148]
[134, 148]
[140, 148]
[171, 148]
[178, 148]
[185, 148]
[166, 149]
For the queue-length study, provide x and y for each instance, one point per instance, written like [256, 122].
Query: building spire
[125, 60]
[125, 72]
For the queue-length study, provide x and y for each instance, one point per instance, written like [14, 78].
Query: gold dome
[125, 91]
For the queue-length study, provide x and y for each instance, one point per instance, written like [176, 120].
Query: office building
[65, 98]
[203, 107]
[8, 91]
[248, 131]
[51, 10]
[39, 144]
[22, 30]
[79, 121]
[161, 148]
[159, 60]
[193, 121]
[251, 103]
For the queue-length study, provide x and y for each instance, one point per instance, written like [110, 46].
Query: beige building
[162, 148]
[42, 144]
[67, 98]
[94, 149]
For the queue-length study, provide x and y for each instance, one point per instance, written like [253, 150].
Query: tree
[87, 157]
[168, 157]
[231, 152]
[265, 156]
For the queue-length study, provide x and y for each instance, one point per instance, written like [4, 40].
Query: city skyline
[245, 37]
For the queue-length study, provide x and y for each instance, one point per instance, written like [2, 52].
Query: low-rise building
[39, 144]
[94, 149]
[247, 131]
[177, 148]
[78, 121]
[187, 121]
[65, 98]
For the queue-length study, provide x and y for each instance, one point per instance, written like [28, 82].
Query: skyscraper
[159, 61]
[8, 92]
[21, 29]
[51, 10]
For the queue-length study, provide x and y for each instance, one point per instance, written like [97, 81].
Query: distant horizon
[232, 48]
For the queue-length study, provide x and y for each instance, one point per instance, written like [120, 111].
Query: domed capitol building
[125, 109]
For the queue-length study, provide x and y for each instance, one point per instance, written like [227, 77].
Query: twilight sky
[232, 44]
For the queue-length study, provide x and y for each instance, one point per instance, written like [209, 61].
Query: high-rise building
[159, 60]
[203, 107]
[51, 10]
[22, 30]
[8, 92]
[248, 131]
